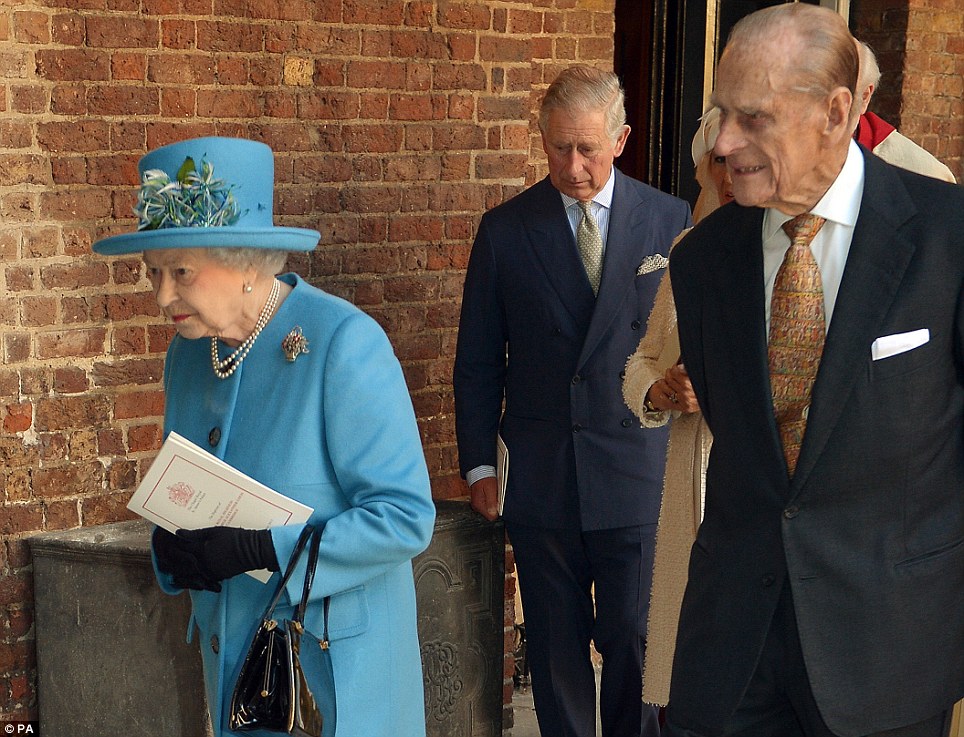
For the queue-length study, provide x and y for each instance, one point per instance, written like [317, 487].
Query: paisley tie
[797, 332]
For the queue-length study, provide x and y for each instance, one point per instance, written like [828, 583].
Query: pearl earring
[247, 288]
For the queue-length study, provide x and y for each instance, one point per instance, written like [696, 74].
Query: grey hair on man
[583, 88]
[831, 59]
[867, 78]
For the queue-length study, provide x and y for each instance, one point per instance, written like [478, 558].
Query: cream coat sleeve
[657, 350]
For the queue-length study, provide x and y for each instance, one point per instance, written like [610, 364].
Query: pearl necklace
[221, 368]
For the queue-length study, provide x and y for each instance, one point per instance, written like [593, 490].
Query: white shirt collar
[839, 204]
[603, 198]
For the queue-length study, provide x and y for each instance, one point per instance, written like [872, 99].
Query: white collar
[604, 197]
[839, 204]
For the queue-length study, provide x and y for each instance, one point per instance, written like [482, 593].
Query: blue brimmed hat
[207, 193]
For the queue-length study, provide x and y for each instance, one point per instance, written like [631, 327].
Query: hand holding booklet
[188, 488]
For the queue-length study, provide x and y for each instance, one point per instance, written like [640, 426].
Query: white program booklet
[501, 469]
[187, 487]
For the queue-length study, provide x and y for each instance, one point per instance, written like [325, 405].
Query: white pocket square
[652, 263]
[890, 345]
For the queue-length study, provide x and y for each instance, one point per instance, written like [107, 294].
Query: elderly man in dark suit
[559, 285]
[826, 588]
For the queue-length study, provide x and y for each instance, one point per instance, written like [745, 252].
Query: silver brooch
[294, 344]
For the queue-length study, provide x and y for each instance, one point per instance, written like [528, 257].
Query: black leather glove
[179, 560]
[224, 552]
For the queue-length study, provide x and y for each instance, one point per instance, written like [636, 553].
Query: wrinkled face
[721, 178]
[200, 295]
[580, 152]
[771, 136]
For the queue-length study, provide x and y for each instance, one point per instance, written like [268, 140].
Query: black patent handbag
[272, 692]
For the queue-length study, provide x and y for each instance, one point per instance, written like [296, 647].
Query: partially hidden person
[657, 389]
[883, 139]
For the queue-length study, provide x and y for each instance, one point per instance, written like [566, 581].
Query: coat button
[215, 644]
[214, 437]
[622, 374]
[626, 423]
[791, 512]
[577, 427]
[636, 324]
[576, 379]
[769, 580]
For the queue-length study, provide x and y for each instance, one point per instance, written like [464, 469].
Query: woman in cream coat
[657, 389]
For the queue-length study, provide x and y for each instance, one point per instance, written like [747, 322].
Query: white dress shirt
[600, 207]
[840, 207]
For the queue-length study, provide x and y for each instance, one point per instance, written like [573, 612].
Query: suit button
[791, 512]
[215, 644]
[636, 324]
[626, 423]
[576, 379]
[769, 580]
[214, 437]
[577, 427]
[557, 331]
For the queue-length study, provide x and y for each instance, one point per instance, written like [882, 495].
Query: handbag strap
[309, 576]
[299, 616]
[303, 538]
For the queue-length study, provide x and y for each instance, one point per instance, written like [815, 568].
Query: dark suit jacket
[578, 458]
[870, 532]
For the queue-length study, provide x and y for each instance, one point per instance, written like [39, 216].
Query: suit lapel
[555, 247]
[743, 332]
[875, 266]
[629, 240]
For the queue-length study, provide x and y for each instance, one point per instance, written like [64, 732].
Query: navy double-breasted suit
[869, 532]
[578, 458]
[584, 479]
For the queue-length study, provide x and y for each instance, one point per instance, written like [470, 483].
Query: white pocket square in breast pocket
[890, 345]
[652, 263]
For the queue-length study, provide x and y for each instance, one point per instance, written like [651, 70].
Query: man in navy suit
[826, 586]
[547, 332]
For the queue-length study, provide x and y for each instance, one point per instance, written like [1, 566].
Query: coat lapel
[629, 240]
[744, 322]
[555, 247]
[878, 257]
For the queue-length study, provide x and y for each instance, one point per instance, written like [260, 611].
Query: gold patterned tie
[797, 332]
[589, 241]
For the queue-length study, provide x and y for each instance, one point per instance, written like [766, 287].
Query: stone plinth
[112, 656]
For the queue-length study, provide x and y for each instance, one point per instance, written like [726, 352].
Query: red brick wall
[920, 48]
[396, 123]
[933, 92]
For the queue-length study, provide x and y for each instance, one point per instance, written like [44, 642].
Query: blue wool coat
[335, 430]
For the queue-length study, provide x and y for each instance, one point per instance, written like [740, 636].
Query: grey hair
[869, 73]
[582, 88]
[268, 261]
[830, 60]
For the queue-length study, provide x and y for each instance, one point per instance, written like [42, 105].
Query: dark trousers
[557, 570]
[779, 702]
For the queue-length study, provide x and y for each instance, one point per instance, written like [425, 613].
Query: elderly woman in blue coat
[301, 391]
